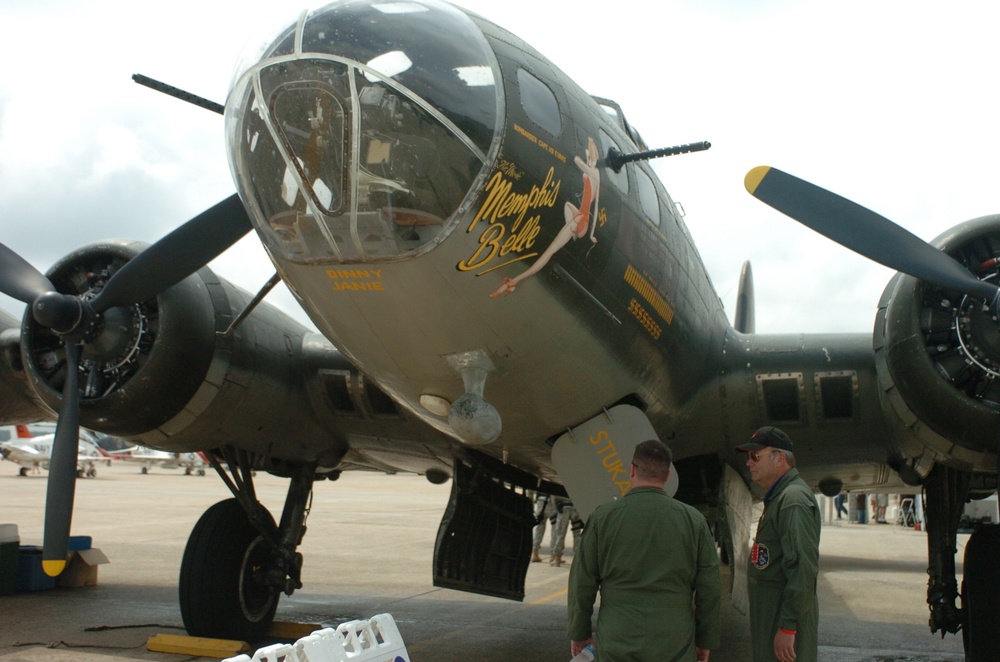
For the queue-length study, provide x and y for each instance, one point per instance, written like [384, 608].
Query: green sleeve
[800, 545]
[708, 592]
[584, 581]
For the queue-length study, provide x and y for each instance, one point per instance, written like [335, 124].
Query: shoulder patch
[760, 556]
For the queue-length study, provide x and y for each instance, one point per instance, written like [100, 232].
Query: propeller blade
[62, 470]
[863, 231]
[177, 255]
[20, 280]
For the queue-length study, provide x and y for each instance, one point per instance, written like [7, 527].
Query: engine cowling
[938, 358]
[164, 373]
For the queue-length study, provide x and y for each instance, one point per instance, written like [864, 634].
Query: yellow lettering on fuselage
[355, 286]
[356, 280]
[511, 225]
[503, 203]
[354, 274]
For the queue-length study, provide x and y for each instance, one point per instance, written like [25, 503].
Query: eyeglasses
[755, 455]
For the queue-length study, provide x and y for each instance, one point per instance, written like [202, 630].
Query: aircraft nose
[357, 132]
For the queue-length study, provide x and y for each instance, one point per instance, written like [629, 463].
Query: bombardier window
[389, 64]
[539, 102]
[311, 122]
[388, 191]
[351, 148]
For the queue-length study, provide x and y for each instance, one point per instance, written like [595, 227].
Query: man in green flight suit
[784, 559]
[654, 561]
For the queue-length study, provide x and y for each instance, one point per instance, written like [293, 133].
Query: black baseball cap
[767, 437]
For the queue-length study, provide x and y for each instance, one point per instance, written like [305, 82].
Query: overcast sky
[892, 103]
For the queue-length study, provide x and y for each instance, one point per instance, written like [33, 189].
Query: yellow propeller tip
[754, 178]
[53, 568]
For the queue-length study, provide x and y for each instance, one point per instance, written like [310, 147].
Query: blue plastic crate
[9, 545]
[30, 576]
[78, 543]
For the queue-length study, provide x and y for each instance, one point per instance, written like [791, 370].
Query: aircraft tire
[981, 595]
[220, 596]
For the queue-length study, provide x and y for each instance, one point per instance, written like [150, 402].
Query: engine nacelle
[164, 373]
[938, 358]
[18, 403]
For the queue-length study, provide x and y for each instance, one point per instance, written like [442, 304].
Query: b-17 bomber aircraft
[506, 297]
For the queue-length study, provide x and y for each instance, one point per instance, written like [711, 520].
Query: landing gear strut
[237, 561]
[946, 493]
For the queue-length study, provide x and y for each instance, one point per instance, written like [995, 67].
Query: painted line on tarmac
[548, 598]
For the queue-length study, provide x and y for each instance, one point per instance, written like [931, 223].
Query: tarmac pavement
[368, 550]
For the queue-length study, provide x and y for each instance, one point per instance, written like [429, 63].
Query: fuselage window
[647, 196]
[539, 102]
[838, 394]
[619, 179]
[782, 396]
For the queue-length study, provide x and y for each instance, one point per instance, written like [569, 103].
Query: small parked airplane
[192, 463]
[34, 453]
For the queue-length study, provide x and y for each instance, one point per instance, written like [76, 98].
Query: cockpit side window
[539, 102]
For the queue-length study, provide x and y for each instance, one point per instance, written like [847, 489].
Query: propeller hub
[61, 313]
[118, 341]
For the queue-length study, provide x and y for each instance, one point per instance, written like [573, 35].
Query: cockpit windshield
[358, 131]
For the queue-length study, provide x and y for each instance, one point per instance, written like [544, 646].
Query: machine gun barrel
[178, 93]
[615, 159]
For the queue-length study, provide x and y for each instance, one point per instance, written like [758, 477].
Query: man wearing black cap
[784, 560]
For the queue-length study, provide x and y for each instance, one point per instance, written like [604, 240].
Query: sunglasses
[756, 455]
